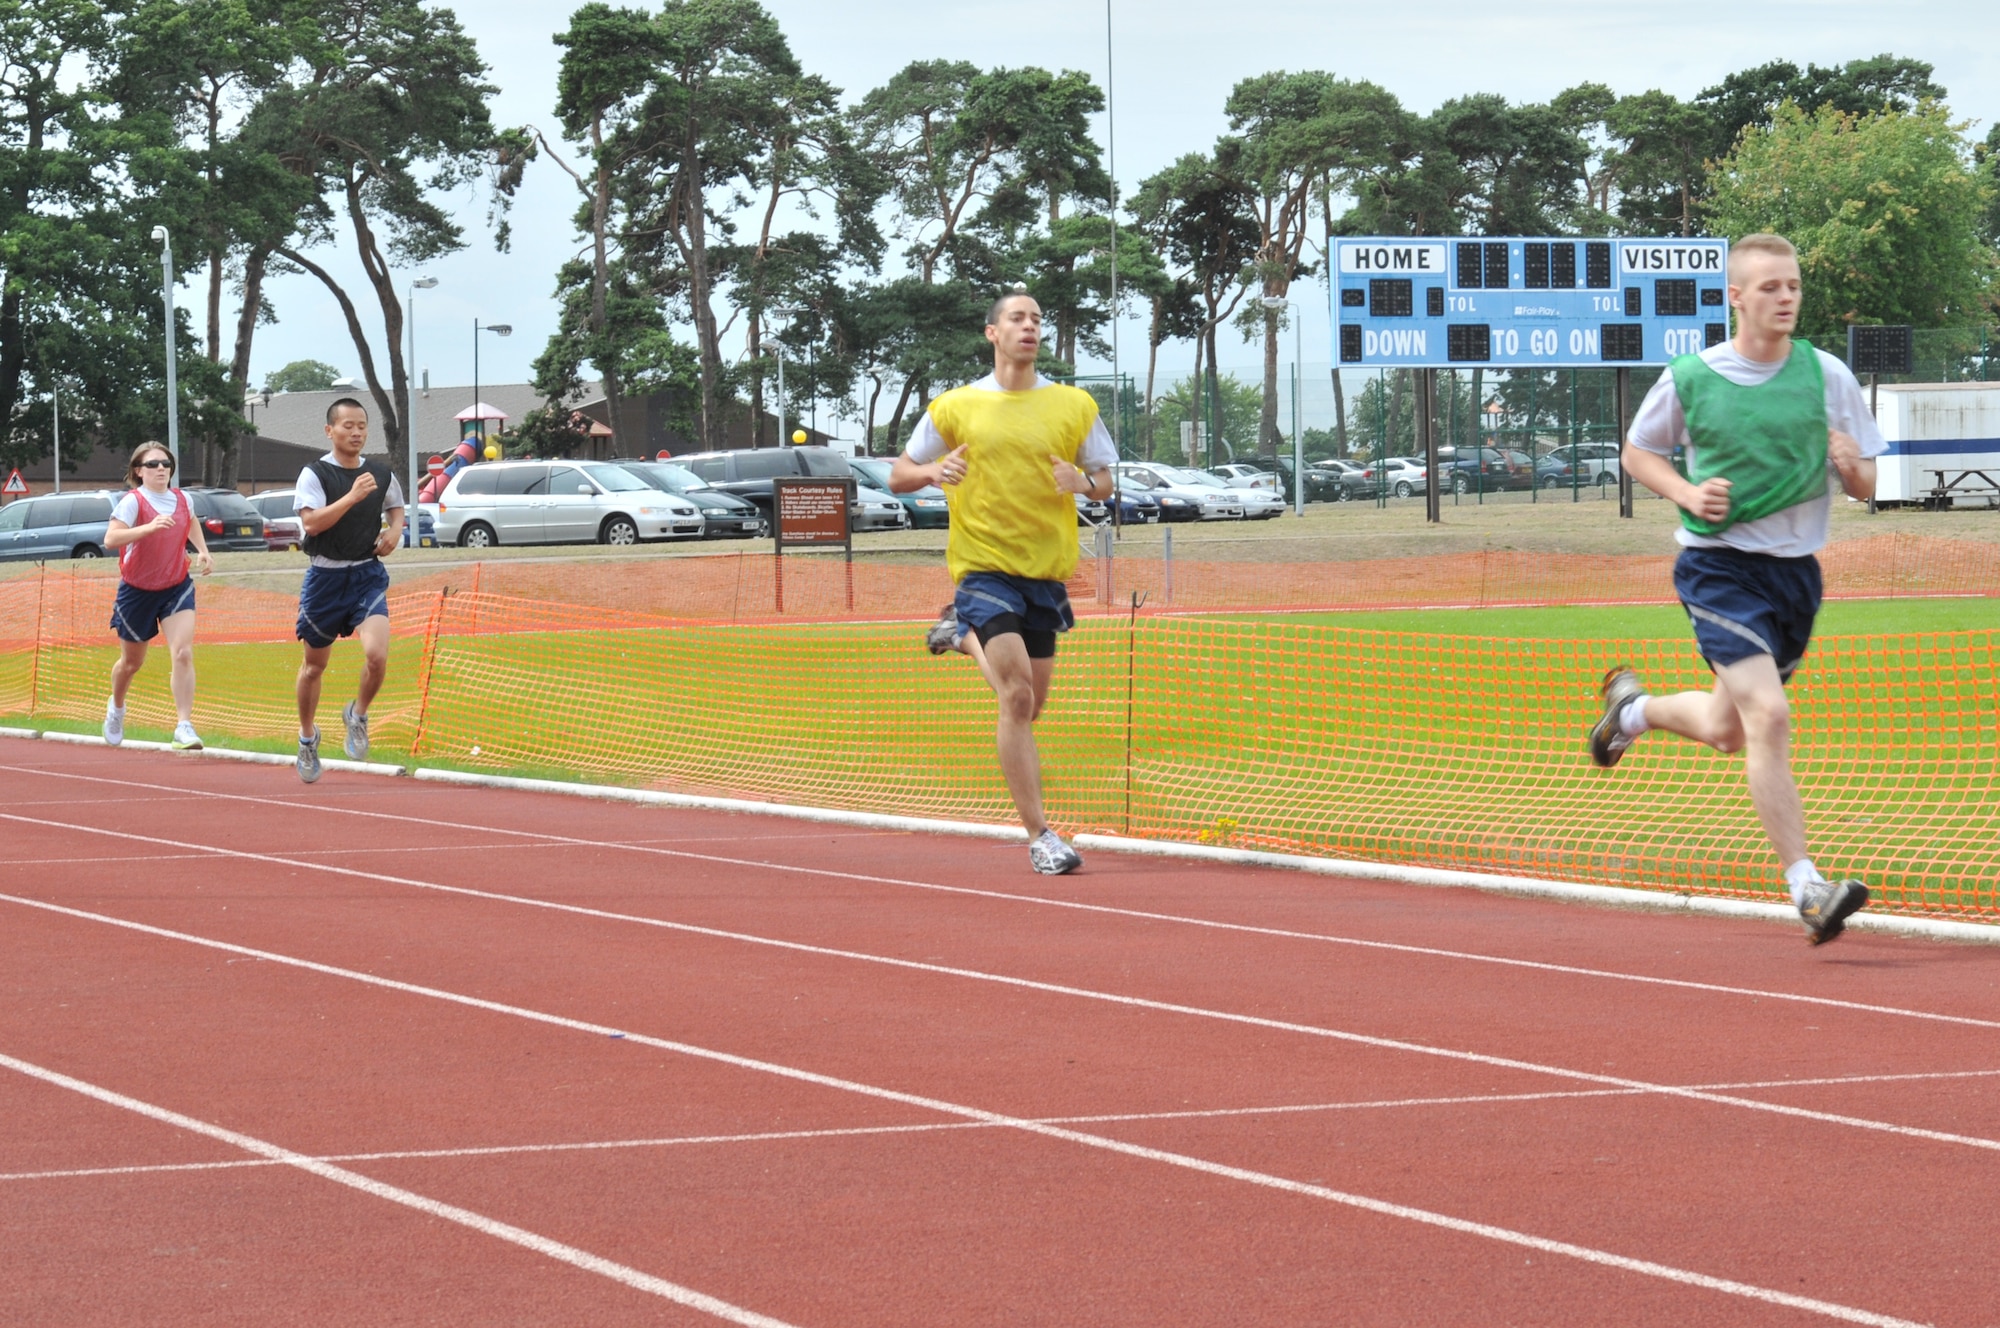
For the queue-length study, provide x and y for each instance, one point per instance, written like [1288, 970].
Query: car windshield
[821, 461]
[676, 479]
[615, 479]
[872, 472]
[232, 506]
[1199, 479]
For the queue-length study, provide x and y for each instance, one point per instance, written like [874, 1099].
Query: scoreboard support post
[1622, 404]
[1426, 422]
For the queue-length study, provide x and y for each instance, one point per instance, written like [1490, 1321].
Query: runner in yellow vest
[1766, 422]
[1010, 451]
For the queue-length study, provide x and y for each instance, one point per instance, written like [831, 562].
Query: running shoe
[308, 762]
[1052, 857]
[114, 724]
[355, 744]
[1608, 739]
[943, 634]
[185, 739]
[1827, 908]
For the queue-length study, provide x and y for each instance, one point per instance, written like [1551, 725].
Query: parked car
[1592, 463]
[56, 525]
[559, 502]
[1401, 476]
[1091, 511]
[1136, 507]
[1484, 469]
[721, 513]
[1339, 481]
[1257, 504]
[927, 506]
[747, 472]
[1180, 500]
[283, 530]
[229, 523]
[1241, 475]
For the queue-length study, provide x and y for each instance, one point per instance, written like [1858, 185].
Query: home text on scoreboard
[1527, 303]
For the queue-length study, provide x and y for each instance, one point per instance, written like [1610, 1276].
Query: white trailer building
[1944, 443]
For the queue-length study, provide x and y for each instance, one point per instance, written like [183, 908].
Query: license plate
[246, 530]
[428, 542]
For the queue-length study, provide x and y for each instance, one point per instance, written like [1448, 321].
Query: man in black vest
[341, 500]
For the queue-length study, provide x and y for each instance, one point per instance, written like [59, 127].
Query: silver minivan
[558, 502]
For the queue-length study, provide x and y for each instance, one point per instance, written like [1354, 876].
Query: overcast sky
[1176, 61]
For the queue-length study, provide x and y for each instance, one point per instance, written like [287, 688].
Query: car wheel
[1552, 481]
[1342, 494]
[1403, 489]
[1459, 485]
[1605, 479]
[763, 527]
[86, 551]
[618, 530]
[477, 535]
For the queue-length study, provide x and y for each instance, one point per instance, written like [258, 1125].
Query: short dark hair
[334, 409]
[999, 306]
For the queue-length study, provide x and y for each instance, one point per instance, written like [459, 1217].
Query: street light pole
[55, 404]
[781, 319]
[410, 410]
[498, 330]
[167, 298]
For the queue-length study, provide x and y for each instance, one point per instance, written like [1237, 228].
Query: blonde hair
[138, 455]
[1763, 242]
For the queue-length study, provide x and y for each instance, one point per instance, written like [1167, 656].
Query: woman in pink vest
[151, 528]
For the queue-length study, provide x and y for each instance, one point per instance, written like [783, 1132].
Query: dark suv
[228, 522]
[747, 472]
[55, 525]
[1485, 470]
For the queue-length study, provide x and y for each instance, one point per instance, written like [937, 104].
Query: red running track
[386, 1052]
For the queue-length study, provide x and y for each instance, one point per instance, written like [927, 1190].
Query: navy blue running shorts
[136, 614]
[336, 600]
[1746, 604]
[994, 604]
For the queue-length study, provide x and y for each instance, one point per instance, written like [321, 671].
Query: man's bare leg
[374, 637]
[312, 669]
[1022, 687]
[1746, 712]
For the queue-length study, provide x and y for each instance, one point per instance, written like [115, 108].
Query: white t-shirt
[1097, 453]
[126, 509]
[1800, 529]
[311, 493]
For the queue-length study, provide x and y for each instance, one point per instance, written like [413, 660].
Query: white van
[558, 502]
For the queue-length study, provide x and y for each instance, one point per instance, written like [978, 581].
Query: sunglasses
[156, 464]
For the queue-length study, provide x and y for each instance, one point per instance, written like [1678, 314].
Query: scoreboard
[1527, 303]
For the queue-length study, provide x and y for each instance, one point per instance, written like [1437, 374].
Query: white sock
[1800, 875]
[112, 708]
[1632, 719]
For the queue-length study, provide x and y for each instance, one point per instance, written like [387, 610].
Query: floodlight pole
[414, 513]
[167, 299]
[55, 403]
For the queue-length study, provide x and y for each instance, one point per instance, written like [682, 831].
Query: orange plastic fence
[1426, 750]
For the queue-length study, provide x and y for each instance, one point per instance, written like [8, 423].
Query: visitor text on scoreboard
[1527, 303]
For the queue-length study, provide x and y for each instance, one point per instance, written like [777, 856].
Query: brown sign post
[812, 513]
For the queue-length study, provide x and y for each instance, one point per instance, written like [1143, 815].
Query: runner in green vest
[1766, 421]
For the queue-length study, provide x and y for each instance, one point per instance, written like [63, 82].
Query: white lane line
[133, 857]
[861, 1131]
[1029, 984]
[1426, 1217]
[1755, 993]
[528, 1240]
